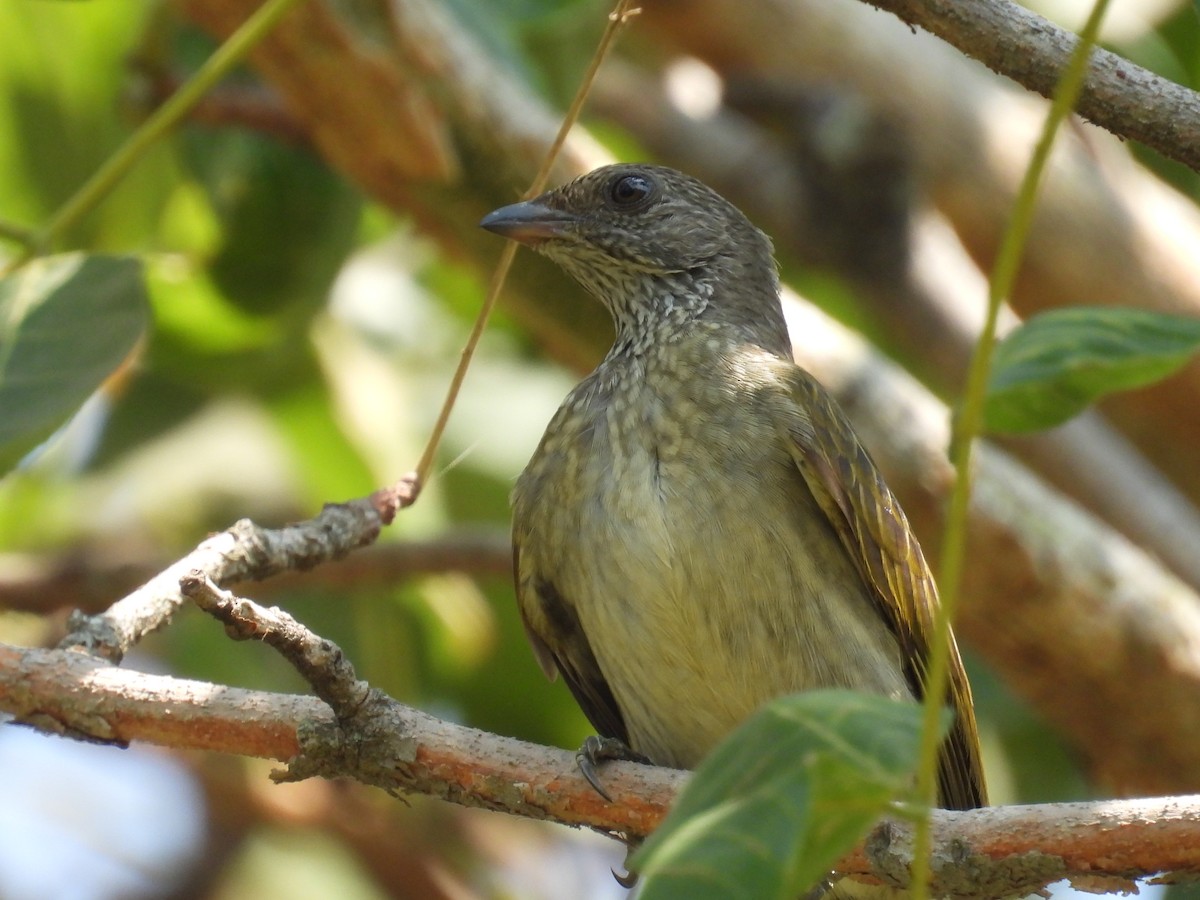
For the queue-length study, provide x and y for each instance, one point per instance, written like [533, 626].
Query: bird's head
[657, 247]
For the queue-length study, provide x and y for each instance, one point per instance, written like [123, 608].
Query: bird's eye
[630, 191]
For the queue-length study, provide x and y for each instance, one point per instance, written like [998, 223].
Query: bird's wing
[560, 645]
[875, 532]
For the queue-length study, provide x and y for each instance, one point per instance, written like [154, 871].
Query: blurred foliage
[242, 315]
[547, 42]
[63, 81]
[302, 337]
[66, 323]
[254, 395]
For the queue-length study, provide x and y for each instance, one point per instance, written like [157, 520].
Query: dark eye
[630, 191]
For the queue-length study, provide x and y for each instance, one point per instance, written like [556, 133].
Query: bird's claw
[597, 749]
[630, 878]
[627, 881]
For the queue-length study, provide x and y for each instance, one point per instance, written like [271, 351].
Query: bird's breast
[704, 576]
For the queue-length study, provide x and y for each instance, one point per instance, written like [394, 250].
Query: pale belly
[707, 583]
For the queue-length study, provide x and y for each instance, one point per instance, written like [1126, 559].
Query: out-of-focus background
[314, 264]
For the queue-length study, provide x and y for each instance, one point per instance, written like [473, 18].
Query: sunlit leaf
[1057, 363]
[772, 809]
[66, 323]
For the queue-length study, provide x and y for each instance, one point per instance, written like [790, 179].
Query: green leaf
[1057, 363]
[66, 323]
[771, 810]
[288, 222]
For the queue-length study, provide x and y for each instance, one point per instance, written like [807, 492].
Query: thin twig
[245, 552]
[617, 18]
[319, 660]
[967, 426]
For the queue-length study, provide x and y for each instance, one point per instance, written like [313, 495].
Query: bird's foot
[597, 749]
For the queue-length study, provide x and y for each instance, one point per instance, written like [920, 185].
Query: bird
[700, 530]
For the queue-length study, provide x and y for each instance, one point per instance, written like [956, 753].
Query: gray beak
[528, 223]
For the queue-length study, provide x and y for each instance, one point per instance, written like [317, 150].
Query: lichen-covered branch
[988, 852]
[395, 747]
[1118, 95]
[244, 552]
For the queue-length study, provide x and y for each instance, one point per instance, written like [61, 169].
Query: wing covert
[875, 532]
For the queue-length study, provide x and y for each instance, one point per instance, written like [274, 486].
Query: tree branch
[393, 746]
[244, 552]
[320, 662]
[1119, 96]
[989, 852]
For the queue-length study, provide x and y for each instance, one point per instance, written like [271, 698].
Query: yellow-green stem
[161, 121]
[967, 426]
[10, 231]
